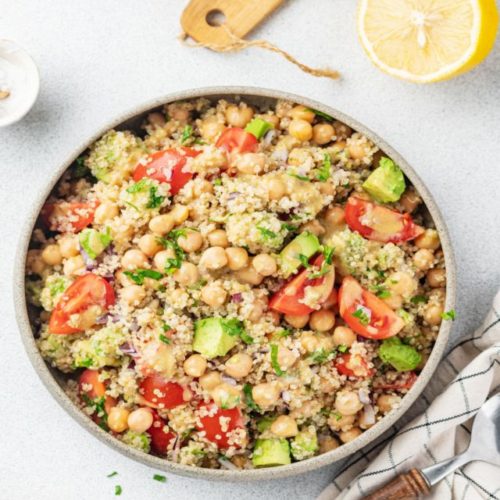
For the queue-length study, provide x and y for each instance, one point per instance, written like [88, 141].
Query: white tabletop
[98, 59]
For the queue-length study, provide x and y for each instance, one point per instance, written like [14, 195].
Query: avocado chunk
[271, 452]
[94, 242]
[386, 183]
[216, 336]
[306, 244]
[305, 443]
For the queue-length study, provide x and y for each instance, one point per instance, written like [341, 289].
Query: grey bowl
[54, 380]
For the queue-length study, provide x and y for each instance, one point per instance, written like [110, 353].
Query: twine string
[236, 44]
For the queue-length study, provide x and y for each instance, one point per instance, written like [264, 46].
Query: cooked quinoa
[235, 286]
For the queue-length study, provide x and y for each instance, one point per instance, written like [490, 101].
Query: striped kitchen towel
[437, 426]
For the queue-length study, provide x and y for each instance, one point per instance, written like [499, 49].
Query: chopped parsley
[304, 260]
[266, 233]
[164, 339]
[325, 269]
[118, 490]
[234, 327]
[419, 299]
[166, 327]
[381, 291]
[81, 170]
[289, 227]
[324, 172]
[320, 356]
[170, 241]
[325, 116]
[274, 360]
[300, 177]
[247, 390]
[160, 478]
[155, 200]
[218, 181]
[449, 315]
[86, 363]
[342, 348]
[337, 416]
[282, 333]
[138, 186]
[361, 314]
[187, 134]
[140, 275]
[113, 474]
[328, 253]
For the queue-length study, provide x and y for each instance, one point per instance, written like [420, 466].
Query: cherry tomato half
[167, 166]
[378, 223]
[86, 291]
[67, 216]
[210, 423]
[288, 299]
[353, 365]
[237, 140]
[91, 390]
[365, 313]
[161, 393]
[160, 438]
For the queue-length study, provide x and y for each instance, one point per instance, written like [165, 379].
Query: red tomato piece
[378, 223]
[91, 388]
[160, 438]
[288, 299]
[353, 366]
[237, 140]
[332, 300]
[365, 313]
[86, 291]
[404, 382]
[167, 166]
[161, 393]
[210, 423]
[68, 216]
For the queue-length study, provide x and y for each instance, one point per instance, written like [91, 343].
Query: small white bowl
[19, 76]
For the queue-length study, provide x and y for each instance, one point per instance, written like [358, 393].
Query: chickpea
[356, 151]
[428, 240]
[386, 402]
[339, 145]
[349, 435]
[264, 264]
[51, 255]
[213, 295]
[210, 380]
[249, 275]
[325, 342]
[74, 266]
[343, 336]
[276, 188]
[322, 320]
[203, 186]
[284, 427]
[432, 314]
[272, 119]
[365, 421]
[140, 420]
[323, 133]
[347, 403]
[326, 188]
[180, 214]
[213, 258]
[149, 245]
[344, 423]
[105, 211]
[225, 395]
[69, 246]
[410, 200]
[301, 130]
[178, 113]
[309, 342]
[239, 365]
[218, 238]
[134, 259]
[297, 321]
[423, 259]
[195, 365]
[211, 128]
[327, 443]
[436, 278]
[133, 294]
[342, 131]
[394, 301]
[257, 310]
[187, 274]
[286, 357]
[302, 113]
[306, 410]
[161, 224]
[313, 227]
[117, 419]
[237, 258]
[250, 163]
[238, 116]
[156, 119]
[266, 394]
[192, 241]
[161, 258]
[334, 218]
[402, 283]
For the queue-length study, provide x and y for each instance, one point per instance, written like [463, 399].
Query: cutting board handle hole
[215, 17]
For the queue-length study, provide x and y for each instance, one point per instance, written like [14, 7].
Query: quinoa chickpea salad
[236, 287]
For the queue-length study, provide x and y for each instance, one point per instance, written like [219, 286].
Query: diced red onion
[102, 320]
[128, 348]
[233, 195]
[269, 137]
[237, 298]
[90, 264]
[364, 396]
[369, 412]
[286, 396]
[227, 464]
[229, 380]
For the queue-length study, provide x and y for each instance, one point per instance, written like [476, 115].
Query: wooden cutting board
[241, 17]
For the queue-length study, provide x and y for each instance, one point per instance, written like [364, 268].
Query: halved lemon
[427, 40]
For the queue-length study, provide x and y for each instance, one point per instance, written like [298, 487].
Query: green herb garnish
[160, 478]
[361, 314]
[247, 390]
[400, 356]
[328, 253]
[324, 172]
[289, 227]
[300, 177]
[449, 315]
[234, 327]
[266, 233]
[140, 275]
[164, 339]
[419, 299]
[80, 169]
[325, 116]
[274, 360]
[187, 134]
[218, 181]
[381, 291]
[170, 241]
[342, 348]
[320, 356]
[113, 474]
[304, 260]
[155, 200]
[118, 490]
[138, 186]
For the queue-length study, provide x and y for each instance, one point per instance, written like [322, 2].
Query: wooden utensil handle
[407, 486]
